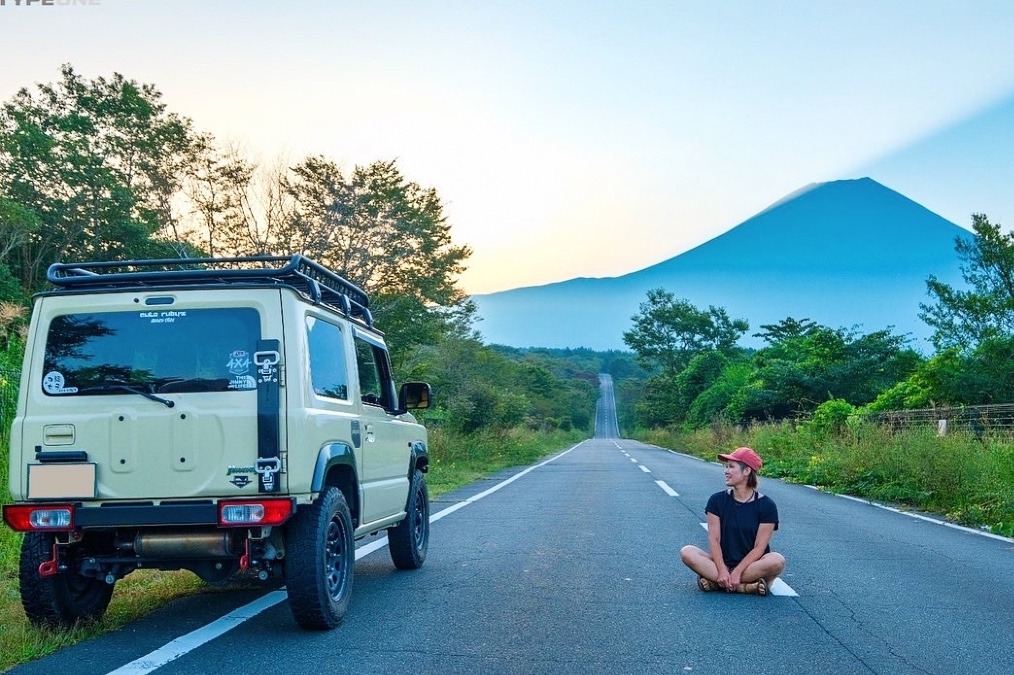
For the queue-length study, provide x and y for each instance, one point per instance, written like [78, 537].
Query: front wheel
[319, 562]
[65, 598]
[409, 539]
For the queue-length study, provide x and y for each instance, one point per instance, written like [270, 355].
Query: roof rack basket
[316, 282]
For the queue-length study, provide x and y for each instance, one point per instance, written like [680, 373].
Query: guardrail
[975, 419]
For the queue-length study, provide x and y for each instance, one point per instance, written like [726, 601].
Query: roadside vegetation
[965, 479]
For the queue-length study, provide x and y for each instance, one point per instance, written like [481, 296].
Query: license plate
[61, 481]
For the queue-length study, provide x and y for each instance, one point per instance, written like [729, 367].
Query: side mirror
[415, 396]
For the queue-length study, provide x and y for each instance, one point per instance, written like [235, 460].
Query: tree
[786, 329]
[984, 375]
[385, 234]
[715, 401]
[668, 332]
[796, 374]
[966, 318]
[217, 187]
[95, 164]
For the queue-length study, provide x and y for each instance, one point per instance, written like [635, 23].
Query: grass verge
[967, 480]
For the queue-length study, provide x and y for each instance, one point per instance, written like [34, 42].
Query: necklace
[753, 495]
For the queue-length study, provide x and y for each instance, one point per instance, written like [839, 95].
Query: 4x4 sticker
[239, 362]
[52, 383]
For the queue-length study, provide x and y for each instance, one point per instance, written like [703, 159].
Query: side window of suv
[327, 359]
[375, 383]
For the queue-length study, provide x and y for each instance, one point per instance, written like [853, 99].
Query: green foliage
[459, 459]
[797, 372]
[374, 227]
[655, 406]
[370, 224]
[668, 332]
[479, 387]
[701, 372]
[716, 401]
[831, 417]
[88, 170]
[964, 319]
[982, 376]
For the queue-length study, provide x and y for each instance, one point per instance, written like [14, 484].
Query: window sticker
[169, 316]
[52, 383]
[239, 362]
[243, 382]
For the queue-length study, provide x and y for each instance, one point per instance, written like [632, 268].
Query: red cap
[745, 455]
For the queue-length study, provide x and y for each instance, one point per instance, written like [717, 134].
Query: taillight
[254, 512]
[39, 517]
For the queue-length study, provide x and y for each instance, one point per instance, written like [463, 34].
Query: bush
[831, 417]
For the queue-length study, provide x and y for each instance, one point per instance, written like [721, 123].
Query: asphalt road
[572, 566]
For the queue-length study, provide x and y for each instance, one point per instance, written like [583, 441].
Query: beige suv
[216, 415]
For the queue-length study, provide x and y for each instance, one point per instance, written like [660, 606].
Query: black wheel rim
[335, 554]
[419, 521]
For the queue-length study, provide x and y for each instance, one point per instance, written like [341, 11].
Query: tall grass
[968, 480]
[459, 459]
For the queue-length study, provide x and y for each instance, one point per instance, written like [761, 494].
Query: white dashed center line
[668, 490]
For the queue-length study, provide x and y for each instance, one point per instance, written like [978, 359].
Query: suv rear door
[158, 395]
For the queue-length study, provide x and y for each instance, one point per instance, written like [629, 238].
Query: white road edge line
[194, 639]
[779, 587]
[919, 516]
[668, 490]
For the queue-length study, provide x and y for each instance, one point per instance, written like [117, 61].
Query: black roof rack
[313, 280]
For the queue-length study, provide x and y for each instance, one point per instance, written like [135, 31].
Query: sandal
[707, 585]
[759, 587]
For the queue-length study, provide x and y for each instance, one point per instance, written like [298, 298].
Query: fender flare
[420, 458]
[329, 456]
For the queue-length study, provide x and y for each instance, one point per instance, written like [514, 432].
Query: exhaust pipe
[176, 545]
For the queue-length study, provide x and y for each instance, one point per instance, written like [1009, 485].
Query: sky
[571, 139]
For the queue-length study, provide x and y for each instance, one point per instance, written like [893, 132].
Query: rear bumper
[141, 515]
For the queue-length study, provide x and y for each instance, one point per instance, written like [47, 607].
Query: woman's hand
[734, 580]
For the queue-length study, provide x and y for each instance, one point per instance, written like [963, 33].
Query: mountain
[849, 253]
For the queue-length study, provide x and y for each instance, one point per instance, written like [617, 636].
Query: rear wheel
[63, 599]
[319, 562]
[409, 539]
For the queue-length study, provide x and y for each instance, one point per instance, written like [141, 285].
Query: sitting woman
[740, 524]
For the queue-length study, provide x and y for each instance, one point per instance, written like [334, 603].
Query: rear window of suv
[163, 351]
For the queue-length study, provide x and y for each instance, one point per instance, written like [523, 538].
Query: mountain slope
[846, 253]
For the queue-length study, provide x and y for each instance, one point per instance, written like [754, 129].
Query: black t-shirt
[740, 522]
